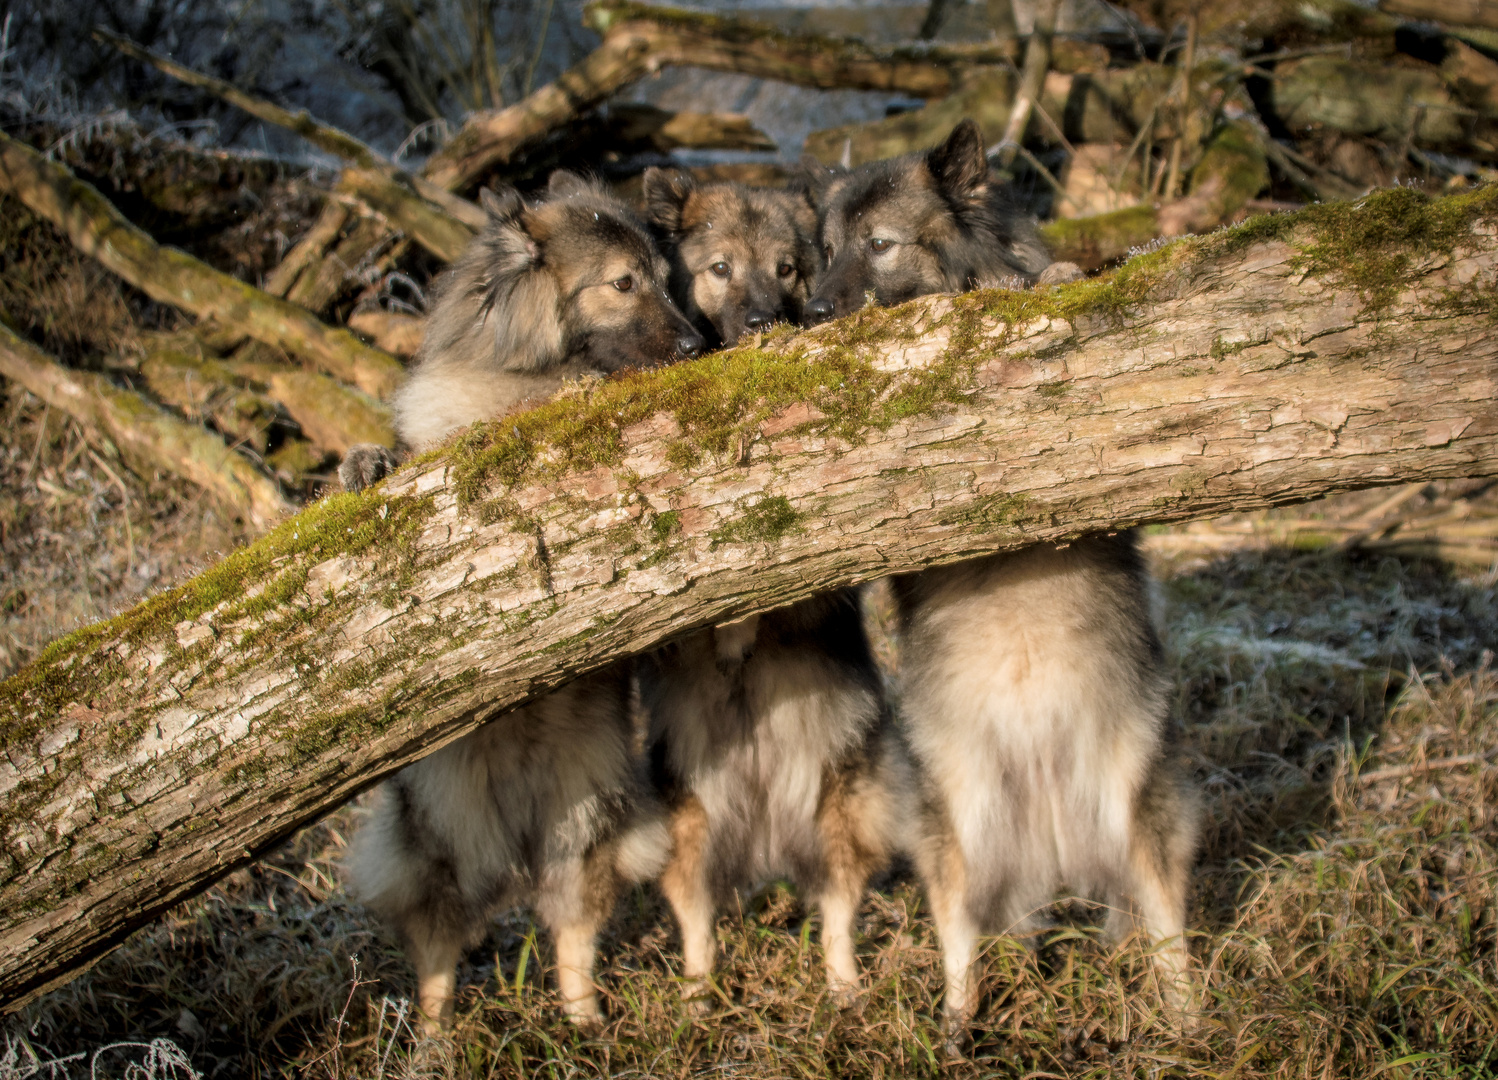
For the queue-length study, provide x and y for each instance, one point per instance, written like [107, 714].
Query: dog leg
[851, 848]
[576, 951]
[686, 887]
[1154, 885]
[943, 869]
[435, 956]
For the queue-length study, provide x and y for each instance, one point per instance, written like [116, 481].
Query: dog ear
[502, 205]
[564, 183]
[959, 164]
[666, 195]
[810, 179]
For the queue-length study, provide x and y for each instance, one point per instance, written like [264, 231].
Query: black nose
[757, 320]
[689, 344]
[818, 310]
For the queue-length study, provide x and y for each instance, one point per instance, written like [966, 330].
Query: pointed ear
[564, 183]
[502, 205]
[666, 195]
[810, 179]
[959, 164]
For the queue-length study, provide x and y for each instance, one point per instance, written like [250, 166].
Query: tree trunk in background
[1288, 359]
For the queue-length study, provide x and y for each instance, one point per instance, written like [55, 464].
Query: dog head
[742, 258]
[573, 279]
[923, 223]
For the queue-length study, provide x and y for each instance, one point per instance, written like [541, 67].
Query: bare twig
[174, 277]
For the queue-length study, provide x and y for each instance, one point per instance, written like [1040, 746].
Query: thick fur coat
[775, 749]
[1032, 690]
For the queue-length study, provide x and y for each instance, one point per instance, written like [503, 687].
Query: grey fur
[779, 758]
[1035, 707]
[546, 806]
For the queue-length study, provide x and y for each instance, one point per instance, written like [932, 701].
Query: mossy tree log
[174, 277]
[1285, 359]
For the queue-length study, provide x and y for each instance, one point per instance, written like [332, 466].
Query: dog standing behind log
[545, 804]
[1032, 688]
[771, 737]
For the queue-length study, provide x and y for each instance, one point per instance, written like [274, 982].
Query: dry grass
[1344, 928]
[81, 536]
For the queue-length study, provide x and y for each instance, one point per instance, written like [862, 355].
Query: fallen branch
[147, 756]
[147, 436]
[1451, 12]
[639, 40]
[1232, 170]
[1400, 772]
[430, 213]
[173, 277]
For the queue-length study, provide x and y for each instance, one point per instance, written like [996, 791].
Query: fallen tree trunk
[147, 436]
[173, 277]
[1292, 357]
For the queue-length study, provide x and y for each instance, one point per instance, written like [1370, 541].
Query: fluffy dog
[1032, 688]
[546, 804]
[742, 258]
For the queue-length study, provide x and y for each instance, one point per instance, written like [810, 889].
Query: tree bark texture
[173, 277]
[1285, 359]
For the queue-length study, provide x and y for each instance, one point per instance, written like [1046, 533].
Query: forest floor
[1337, 707]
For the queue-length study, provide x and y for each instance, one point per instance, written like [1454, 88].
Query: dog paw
[1059, 273]
[366, 464]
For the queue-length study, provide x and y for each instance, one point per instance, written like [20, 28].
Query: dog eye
[722, 269]
[880, 245]
[624, 284]
[785, 269]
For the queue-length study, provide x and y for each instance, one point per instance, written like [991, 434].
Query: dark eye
[722, 269]
[624, 284]
[785, 269]
[880, 246]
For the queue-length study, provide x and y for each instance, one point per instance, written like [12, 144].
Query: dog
[547, 292]
[771, 737]
[742, 258]
[547, 804]
[1032, 687]
[775, 749]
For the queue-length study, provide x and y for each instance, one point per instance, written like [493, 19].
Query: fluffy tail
[643, 848]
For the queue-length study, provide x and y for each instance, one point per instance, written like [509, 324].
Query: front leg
[366, 464]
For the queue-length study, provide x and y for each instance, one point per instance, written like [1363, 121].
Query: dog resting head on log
[549, 291]
[923, 223]
[742, 258]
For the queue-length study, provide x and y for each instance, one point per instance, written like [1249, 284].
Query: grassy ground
[1343, 911]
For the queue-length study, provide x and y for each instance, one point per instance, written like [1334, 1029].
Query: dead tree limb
[1298, 355]
[640, 39]
[173, 277]
[1451, 12]
[429, 212]
[1232, 171]
[147, 436]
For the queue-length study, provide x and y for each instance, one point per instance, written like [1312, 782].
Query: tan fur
[544, 806]
[781, 761]
[742, 258]
[1035, 708]
[532, 302]
[1031, 683]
